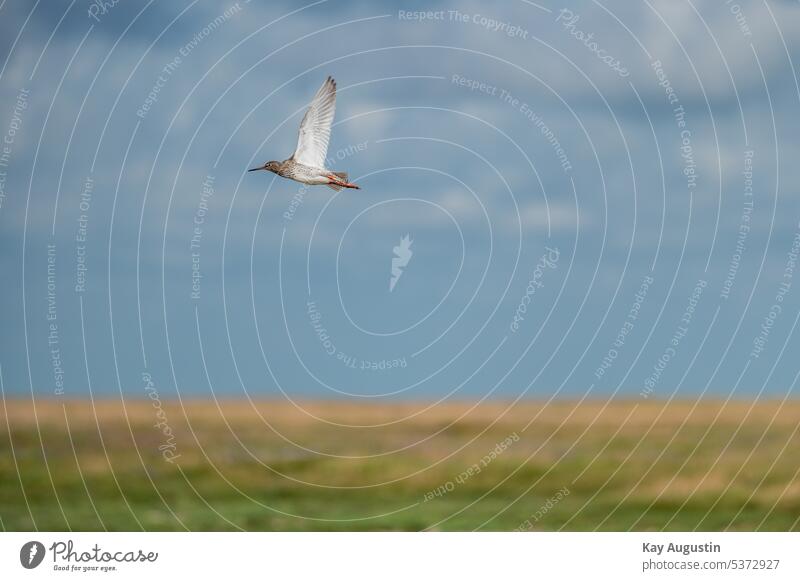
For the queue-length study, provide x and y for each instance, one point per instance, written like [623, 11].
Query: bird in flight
[307, 164]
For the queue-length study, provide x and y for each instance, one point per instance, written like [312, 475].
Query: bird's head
[269, 166]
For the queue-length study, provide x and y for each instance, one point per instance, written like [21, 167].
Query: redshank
[307, 164]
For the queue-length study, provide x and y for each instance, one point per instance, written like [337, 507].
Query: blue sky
[601, 200]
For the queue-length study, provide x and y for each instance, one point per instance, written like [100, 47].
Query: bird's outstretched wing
[315, 129]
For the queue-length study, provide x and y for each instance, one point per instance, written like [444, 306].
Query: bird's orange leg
[334, 180]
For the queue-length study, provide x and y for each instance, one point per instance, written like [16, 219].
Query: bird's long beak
[257, 168]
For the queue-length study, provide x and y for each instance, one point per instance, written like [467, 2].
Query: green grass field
[625, 465]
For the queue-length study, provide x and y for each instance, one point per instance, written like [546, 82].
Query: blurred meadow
[564, 465]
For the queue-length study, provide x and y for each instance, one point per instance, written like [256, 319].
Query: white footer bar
[406, 556]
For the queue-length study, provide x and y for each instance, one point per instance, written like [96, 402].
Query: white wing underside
[315, 129]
